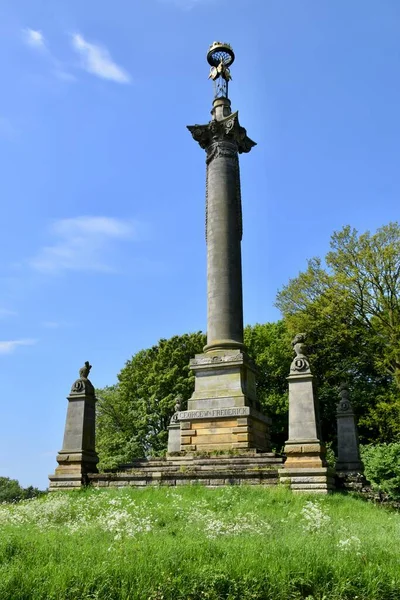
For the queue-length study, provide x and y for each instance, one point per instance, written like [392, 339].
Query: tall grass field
[192, 543]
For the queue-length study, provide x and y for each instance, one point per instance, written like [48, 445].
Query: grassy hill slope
[195, 543]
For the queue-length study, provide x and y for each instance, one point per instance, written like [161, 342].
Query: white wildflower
[353, 544]
[314, 516]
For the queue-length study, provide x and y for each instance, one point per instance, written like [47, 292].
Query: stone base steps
[212, 471]
[319, 480]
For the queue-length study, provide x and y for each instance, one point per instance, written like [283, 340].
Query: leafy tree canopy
[11, 491]
[350, 309]
[133, 416]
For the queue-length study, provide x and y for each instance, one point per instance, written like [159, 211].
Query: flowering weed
[239, 543]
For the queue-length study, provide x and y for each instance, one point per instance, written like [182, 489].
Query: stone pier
[305, 469]
[78, 456]
[348, 459]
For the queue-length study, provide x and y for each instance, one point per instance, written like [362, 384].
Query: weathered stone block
[308, 479]
[240, 445]
[186, 441]
[213, 423]
[188, 432]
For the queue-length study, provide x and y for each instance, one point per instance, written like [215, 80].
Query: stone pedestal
[305, 468]
[223, 412]
[78, 456]
[348, 459]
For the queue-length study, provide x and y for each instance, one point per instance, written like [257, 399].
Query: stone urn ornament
[300, 363]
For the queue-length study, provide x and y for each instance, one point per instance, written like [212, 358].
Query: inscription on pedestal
[187, 415]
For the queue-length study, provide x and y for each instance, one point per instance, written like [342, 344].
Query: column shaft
[224, 232]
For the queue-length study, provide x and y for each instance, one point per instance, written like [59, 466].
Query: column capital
[227, 129]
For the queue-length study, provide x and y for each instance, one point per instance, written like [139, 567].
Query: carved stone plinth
[78, 455]
[304, 451]
[223, 379]
[223, 412]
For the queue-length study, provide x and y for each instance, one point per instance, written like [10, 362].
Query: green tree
[133, 416]
[269, 345]
[350, 309]
[11, 491]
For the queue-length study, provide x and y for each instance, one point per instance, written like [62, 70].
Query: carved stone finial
[83, 385]
[298, 344]
[84, 371]
[177, 407]
[178, 402]
[344, 405]
[300, 363]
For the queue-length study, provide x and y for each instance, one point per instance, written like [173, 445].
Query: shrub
[382, 467]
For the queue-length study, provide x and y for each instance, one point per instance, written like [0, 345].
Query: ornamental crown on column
[224, 126]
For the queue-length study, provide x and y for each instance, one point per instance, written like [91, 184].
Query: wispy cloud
[34, 38]
[4, 313]
[97, 60]
[10, 346]
[81, 244]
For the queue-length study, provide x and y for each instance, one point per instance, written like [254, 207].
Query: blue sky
[102, 248]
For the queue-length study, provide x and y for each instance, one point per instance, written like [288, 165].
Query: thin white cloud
[10, 346]
[34, 38]
[81, 244]
[4, 313]
[96, 59]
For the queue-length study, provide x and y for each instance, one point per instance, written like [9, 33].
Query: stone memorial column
[78, 455]
[223, 412]
[305, 469]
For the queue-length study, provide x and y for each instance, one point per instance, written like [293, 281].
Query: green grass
[235, 543]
